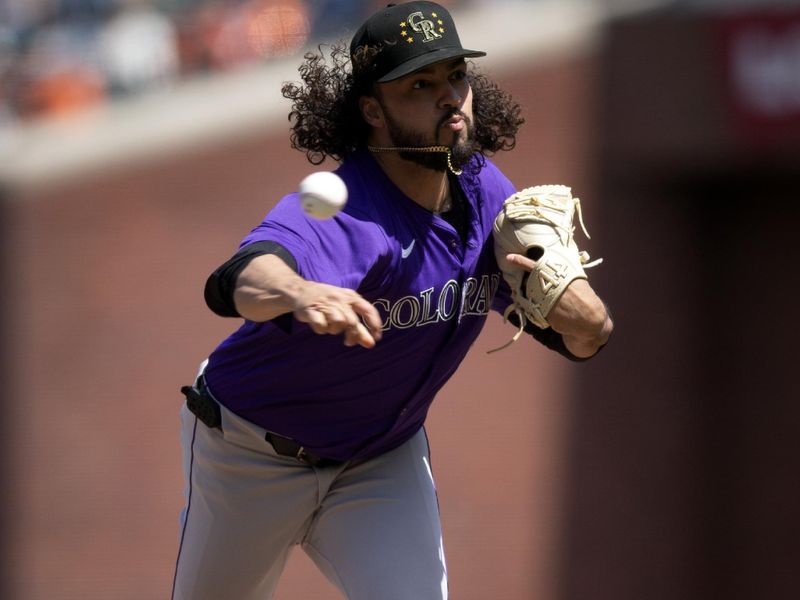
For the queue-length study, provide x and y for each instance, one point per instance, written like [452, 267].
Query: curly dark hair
[326, 121]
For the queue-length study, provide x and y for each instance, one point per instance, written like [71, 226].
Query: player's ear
[371, 110]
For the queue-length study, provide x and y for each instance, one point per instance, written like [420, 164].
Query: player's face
[431, 107]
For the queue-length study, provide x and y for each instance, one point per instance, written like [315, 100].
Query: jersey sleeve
[332, 251]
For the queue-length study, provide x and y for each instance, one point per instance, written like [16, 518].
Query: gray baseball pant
[372, 527]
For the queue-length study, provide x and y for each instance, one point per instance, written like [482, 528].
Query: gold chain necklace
[449, 152]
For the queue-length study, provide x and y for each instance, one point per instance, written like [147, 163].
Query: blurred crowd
[59, 56]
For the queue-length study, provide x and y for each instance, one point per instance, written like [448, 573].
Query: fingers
[370, 317]
[359, 335]
[324, 318]
[521, 261]
[340, 311]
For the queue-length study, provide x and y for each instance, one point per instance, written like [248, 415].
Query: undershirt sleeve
[220, 284]
[551, 338]
[547, 337]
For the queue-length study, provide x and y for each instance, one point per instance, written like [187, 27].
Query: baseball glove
[537, 222]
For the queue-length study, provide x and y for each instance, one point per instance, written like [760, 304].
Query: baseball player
[305, 426]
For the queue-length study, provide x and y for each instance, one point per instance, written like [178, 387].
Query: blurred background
[140, 140]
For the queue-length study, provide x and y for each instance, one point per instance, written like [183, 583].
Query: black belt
[200, 402]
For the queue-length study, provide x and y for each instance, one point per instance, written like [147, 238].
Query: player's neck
[428, 188]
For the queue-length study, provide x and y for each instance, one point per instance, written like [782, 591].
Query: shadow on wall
[684, 443]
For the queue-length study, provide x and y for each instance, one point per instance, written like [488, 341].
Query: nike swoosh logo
[406, 252]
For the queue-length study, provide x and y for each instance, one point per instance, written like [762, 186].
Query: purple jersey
[432, 290]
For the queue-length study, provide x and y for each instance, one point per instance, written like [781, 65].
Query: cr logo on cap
[424, 26]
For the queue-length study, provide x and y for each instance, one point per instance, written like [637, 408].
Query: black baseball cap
[412, 35]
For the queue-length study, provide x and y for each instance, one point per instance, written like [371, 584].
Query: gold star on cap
[404, 33]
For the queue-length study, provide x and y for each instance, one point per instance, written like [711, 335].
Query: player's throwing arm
[268, 288]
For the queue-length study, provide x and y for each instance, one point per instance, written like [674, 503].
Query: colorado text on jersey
[474, 299]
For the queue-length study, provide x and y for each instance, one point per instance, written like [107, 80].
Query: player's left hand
[579, 314]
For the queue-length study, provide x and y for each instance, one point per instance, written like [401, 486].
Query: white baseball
[322, 194]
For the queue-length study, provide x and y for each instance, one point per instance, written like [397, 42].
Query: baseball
[322, 194]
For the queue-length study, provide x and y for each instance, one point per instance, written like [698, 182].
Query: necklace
[446, 205]
[449, 152]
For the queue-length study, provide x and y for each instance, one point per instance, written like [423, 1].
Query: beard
[461, 151]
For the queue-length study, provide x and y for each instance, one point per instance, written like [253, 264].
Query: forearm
[266, 288]
[582, 319]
